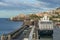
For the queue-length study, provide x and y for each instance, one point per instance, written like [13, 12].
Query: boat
[45, 26]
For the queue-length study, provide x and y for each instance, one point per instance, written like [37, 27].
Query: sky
[10, 8]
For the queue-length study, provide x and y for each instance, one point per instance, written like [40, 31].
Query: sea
[55, 36]
[7, 26]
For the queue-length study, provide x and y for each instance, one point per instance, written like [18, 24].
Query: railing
[31, 33]
[13, 34]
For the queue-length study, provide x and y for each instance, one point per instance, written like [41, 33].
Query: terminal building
[45, 26]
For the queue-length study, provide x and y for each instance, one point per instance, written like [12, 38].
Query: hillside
[53, 14]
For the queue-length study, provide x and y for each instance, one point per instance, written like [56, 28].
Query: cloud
[18, 5]
[3, 4]
[28, 4]
[51, 3]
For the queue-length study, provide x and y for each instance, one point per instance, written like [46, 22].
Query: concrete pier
[31, 30]
[31, 33]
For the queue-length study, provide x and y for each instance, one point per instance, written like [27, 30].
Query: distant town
[52, 14]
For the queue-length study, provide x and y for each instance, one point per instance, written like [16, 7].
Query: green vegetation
[33, 16]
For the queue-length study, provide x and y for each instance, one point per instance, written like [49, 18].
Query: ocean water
[7, 26]
[56, 35]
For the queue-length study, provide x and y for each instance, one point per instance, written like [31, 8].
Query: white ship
[45, 26]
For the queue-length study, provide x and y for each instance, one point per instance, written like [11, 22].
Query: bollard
[9, 37]
[3, 37]
[33, 35]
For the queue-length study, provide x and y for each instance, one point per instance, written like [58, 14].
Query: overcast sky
[10, 8]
